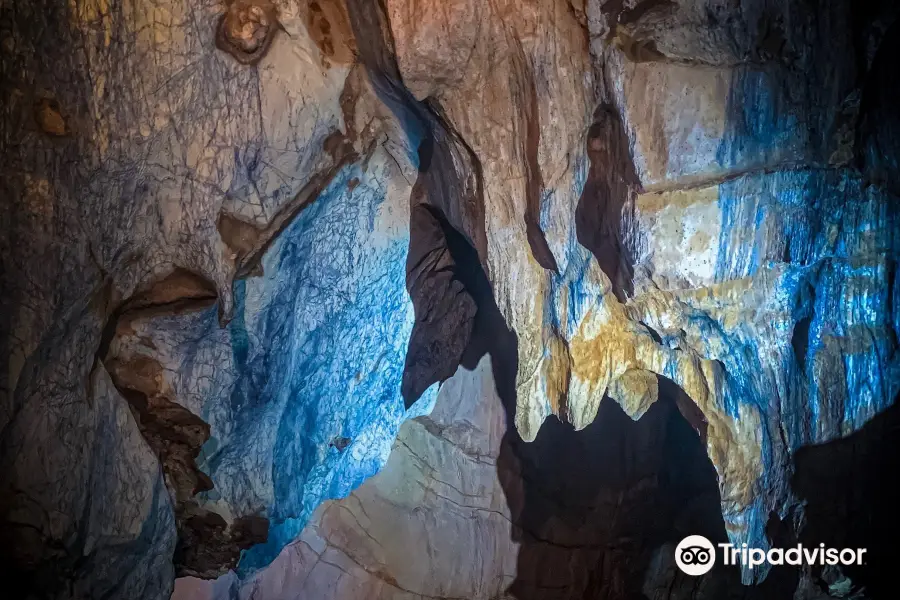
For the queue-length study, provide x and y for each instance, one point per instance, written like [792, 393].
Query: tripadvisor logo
[696, 555]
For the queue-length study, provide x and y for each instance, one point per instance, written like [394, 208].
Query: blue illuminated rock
[302, 388]
[225, 280]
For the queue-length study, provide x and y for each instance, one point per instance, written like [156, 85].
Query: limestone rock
[246, 30]
[439, 492]
[184, 171]
[492, 516]
[112, 508]
[229, 277]
[718, 102]
[336, 271]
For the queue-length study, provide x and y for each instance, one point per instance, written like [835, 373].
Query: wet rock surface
[243, 242]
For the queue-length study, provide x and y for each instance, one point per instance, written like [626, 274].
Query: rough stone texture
[439, 493]
[522, 67]
[246, 29]
[277, 368]
[181, 172]
[590, 514]
[742, 191]
[111, 533]
[255, 237]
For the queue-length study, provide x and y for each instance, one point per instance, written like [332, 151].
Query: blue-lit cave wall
[121, 177]
[836, 237]
[302, 388]
[817, 353]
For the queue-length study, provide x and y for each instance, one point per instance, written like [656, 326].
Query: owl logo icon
[695, 555]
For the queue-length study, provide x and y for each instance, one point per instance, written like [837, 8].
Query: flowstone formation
[643, 254]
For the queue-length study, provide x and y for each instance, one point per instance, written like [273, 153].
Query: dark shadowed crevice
[207, 546]
[805, 309]
[851, 500]
[444, 309]
[446, 223]
[446, 213]
[878, 135]
[653, 333]
[800, 341]
[607, 198]
[672, 392]
[534, 183]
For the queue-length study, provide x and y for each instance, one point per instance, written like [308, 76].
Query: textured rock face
[592, 514]
[245, 379]
[243, 241]
[161, 235]
[439, 492]
[735, 202]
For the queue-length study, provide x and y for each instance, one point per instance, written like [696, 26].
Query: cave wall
[438, 493]
[747, 215]
[161, 248]
[232, 266]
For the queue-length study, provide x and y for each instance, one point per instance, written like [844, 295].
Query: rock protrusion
[49, 117]
[246, 30]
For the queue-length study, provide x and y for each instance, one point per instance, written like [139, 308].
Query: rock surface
[439, 492]
[590, 514]
[243, 241]
[738, 196]
[162, 236]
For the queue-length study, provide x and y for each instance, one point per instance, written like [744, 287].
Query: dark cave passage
[851, 499]
[597, 512]
[595, 505]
